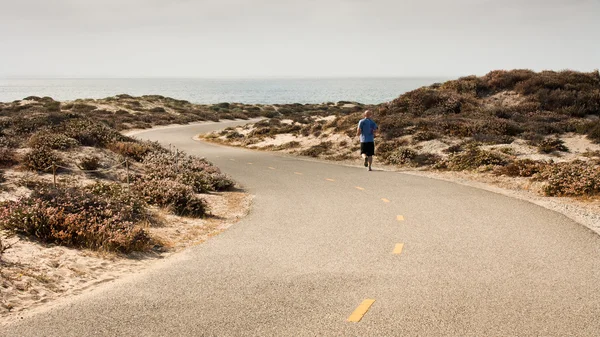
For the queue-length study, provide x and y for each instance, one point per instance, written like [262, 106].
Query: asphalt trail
[320, 248]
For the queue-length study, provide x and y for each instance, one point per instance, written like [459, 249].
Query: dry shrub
[90, 133]
[8, 157]
[41, 159]
[550, 145]
[134, 150]
[317, 150]
[195, 172]
[409, 157]
[576, 178]
[76, 218]
[178, 197]
[473, 158]
[89, 163]
[593, 131]
[521, 168]
[53, 140]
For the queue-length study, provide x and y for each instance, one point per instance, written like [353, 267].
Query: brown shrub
[521, 168]
[134, 150]
[53, 140]
[41, 159]
[473, 158]
[76, 218]
[8, 157]
[89, 163]
[577, 178]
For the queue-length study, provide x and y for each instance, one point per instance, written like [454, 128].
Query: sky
[283, 38]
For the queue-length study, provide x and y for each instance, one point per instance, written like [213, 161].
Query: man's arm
[358, 130]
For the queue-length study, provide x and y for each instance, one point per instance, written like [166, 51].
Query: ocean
[209, 91]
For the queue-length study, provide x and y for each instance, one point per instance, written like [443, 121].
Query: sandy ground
[32, 274]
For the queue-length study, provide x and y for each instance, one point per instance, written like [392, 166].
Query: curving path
[331, 250]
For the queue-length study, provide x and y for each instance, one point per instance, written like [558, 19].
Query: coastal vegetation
[507, 123]
[68, 178]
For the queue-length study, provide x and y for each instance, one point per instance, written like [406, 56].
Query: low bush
[593, 131]
[550, 145]
[90, 133]
[191, 171]
[577, 178]
[41, 159]
[8, 157]
[134, 150]
[473, 158]
[89, 163]
[76, 218]
[317, 150]
[177, 197]
[402, 156]
[53, 140]
[521, 168]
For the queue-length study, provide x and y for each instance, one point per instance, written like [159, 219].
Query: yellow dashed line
[272, 168]
[359, 188]
[362, 309]
[398, 248]
[231, 159]
[249, 163]
[298, 173]
[400, 218]
[329, 179]
[384, 200]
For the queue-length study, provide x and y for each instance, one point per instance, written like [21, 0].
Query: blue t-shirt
[367, 127]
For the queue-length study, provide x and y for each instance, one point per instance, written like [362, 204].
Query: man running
[366, 131]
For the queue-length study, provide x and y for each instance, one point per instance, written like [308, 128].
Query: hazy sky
[298, 38]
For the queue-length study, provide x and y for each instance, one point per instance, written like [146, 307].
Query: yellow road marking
[231, 159]
[400, 218]
[249, 163]
[329, 179]
[272, 168]
[384, 200]
[298, 173]
[359, 188]
[362, 309]
[398, 248]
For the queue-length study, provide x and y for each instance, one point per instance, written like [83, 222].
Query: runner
[366, 131]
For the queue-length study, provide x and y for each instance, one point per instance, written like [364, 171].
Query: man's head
[368, 114]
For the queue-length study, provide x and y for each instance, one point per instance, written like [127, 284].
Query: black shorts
[367, 148]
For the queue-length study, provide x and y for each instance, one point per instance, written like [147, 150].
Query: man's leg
[370, 160]
[364, 155]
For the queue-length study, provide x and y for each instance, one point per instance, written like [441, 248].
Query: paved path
[323, 241]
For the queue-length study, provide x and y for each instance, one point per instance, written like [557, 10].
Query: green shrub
[576, 178]
[41, 159]
[53, 140]
[76, 218]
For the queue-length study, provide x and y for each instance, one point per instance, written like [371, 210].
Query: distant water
[208, 91]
